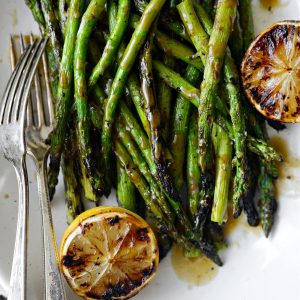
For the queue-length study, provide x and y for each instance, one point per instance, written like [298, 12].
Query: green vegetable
[88, 22]
[223, 154]
[113, 42]
[64, 93]
[137, 40]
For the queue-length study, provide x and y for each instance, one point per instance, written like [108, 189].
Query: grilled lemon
[108, 253]
[271, 72]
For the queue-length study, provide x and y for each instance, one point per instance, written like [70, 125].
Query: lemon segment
[108, 253]
[271, 72]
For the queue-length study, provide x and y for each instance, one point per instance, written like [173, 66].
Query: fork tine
[22, 43]
[12, 53]
[11, 86]
[26, 87]
[49, 95]
[29, 117]
[38, 95]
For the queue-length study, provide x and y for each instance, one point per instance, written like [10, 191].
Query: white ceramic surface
[255, 267]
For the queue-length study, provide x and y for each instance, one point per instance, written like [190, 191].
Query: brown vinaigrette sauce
[269, 4]
[194, 271]
[288, 163]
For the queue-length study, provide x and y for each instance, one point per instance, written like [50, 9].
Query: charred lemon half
[271, 72]
[108, 253]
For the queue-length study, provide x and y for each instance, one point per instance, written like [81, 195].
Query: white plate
[255, 267]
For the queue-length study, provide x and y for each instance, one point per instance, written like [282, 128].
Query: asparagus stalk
[133, 85]
[196, 32]
[164, 99]
[177, 82]
[193, 173]
[35, 7]
[72, 185]
[153, 114]
[113, 43]
[180, 128]
[225, 14]
[171, 46]
[263, 150]
[178, 50]
[140, 161]
[54, 48]
[166, 184]
[267, 201]
[231, 78]
[137, 40]
[236, 41]
[150, 102]
[125, 190]
[140, 183]
[267, 171]
[64, 93]
[223, 154]
[246, 20]
[63, 15]
[88, 22]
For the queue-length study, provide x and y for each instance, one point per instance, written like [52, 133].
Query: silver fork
[37, 132]
[13, 148]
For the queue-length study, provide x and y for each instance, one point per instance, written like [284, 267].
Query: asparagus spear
[178, 50]
[169, 24]
[164, 98]
[54, 48]
[263, 150]
[137, 40]
[140, 161]
[196, 32]
[180, 128]
[140, 183]
[166, 184]
[174, 80]
[35, 7]
[171, 46]
[267, 171]
[231, 78]
[125, 190]
[236, 41]
[113, 43]
[223, 154]
[225, 14]
[64, 93]
[72, 186]
[267, 201]
[150, 102]
[88, 21]
[164, 241]
[153, 114]
[241, 179]
[193, 173]
[246, 20]
[63, 6]
[134, 90]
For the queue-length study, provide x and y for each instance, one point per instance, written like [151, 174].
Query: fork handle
[53, 280]
[18, 277]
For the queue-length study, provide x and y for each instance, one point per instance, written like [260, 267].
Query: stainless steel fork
[13, 148]
[37, 132]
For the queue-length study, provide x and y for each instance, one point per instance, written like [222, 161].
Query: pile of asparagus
[148, 100]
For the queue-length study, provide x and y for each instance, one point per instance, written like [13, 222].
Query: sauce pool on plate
[194, 271]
